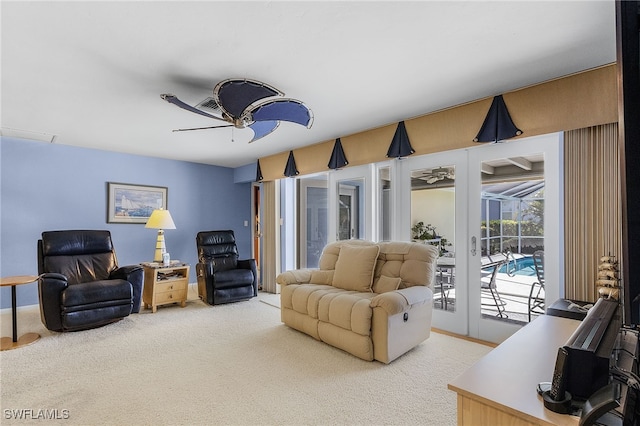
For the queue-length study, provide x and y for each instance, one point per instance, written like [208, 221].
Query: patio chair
[445, 286]
[536, 294]
[489, 290]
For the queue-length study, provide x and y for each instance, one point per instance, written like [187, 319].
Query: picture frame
[129, 203]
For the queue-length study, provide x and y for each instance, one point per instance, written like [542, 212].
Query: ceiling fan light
[248, 103]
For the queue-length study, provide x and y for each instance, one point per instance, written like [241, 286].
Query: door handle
[473, 246]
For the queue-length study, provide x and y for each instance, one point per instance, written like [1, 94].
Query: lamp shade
[160, 219]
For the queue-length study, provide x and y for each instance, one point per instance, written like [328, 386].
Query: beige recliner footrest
[401, 320]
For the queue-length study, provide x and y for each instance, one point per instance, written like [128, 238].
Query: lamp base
[161, 249]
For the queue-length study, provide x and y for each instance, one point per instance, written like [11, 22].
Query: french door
[442, 199]
[434, 197]
[501, 176]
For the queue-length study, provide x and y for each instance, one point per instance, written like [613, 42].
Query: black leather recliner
[222, 278]
[80, 284]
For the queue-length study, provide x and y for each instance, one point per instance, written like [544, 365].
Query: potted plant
[427, 234]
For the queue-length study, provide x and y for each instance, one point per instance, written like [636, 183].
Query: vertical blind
[593, 206]
[270, 238]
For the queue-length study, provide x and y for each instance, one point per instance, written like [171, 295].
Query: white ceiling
[90, 74]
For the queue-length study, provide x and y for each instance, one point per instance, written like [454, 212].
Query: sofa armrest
[295, 276]
[398, 301]
[50, 285]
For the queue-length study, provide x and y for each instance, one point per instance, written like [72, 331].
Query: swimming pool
[523, 266]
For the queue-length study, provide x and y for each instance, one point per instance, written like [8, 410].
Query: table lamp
[160, 219]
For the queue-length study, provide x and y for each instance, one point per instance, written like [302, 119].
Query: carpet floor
[233, 364]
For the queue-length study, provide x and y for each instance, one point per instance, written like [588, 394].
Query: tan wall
[573, 102]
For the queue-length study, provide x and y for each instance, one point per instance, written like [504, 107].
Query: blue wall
[50, 187]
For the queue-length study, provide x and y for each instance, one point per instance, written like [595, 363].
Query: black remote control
[558, 383]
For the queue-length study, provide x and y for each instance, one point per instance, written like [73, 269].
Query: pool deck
[513, 290]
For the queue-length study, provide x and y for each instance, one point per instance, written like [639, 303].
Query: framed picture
[133, 203]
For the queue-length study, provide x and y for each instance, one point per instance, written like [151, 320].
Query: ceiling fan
[244, 103]
[437, 174]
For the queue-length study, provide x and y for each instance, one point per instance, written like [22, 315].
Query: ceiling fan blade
[202, 128]
[235, 95]
[281, 109]
[262, 129]
[172, 99]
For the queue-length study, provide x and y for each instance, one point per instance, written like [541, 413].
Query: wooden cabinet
[500, 389]
[165, 285]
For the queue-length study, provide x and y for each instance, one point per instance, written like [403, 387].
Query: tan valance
[577, 101]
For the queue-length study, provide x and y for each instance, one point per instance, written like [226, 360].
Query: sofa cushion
[330, 253]
[304, 298]
[347, 310]
[321, 277]
[414, 263]
[384, 284]
[355, 267]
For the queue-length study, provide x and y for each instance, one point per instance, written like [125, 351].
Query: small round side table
[7, 343]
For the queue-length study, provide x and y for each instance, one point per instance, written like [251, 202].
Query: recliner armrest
[50, 285]
[135, 275]
[124, 272]
[295, 276]
[247, 264]
[205, 269]
[251, 265]
[398, 301]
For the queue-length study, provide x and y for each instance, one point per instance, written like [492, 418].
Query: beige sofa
[373, 300]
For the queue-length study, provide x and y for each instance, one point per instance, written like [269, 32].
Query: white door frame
[366, 173]
[551, 145]
[456, 321]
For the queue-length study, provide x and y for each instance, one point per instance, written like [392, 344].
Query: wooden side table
[13, 342]
[165, 284]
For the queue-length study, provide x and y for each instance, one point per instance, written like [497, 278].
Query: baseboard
[36, 306]
[459, 336]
